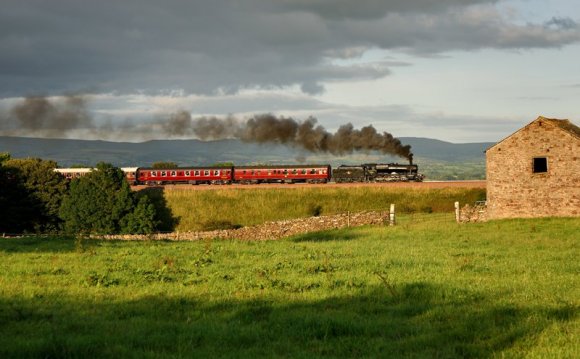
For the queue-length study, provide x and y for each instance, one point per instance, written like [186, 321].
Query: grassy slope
[196, 209]
[425, 288]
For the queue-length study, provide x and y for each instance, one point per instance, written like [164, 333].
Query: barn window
[540, 165]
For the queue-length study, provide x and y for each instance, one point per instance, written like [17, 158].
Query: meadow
[426, 288]
[187, 210]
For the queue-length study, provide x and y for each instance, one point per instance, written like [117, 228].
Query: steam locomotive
[391, 172]
[377, 172]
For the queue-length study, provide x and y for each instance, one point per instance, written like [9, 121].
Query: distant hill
[428, 152]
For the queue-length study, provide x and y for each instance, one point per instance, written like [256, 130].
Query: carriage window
[313, 171]
[173, 173]
[540, 165]
[154, 173]
[196, 173]
[187, 173]
[253, 172]
[216, 173]
[244, 172]
[269, 173]
[285, 172]
[206, 173]
[259, 172]
[303, 172]
[294, 172]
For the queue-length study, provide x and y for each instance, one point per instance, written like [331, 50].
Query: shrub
[45, 190]
[101, 202]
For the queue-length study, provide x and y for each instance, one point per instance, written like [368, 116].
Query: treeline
[35, 199]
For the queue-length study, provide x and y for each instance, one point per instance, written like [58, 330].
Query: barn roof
[565, 125]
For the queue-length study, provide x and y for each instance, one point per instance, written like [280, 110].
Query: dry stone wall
[270, 230]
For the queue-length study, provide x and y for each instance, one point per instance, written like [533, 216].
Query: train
[256, 174]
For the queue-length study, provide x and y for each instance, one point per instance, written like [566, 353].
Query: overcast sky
[455, 70]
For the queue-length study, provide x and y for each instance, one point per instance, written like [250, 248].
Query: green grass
[425, 288]
[196, 210]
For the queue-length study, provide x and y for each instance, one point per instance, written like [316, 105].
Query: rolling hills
[438, 159]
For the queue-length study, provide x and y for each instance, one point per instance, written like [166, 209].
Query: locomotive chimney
[410, 158]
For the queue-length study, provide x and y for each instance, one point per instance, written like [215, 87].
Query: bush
[102, 202]
[16, 207]
[45, 190]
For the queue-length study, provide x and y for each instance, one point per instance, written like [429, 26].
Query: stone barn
[535, 172]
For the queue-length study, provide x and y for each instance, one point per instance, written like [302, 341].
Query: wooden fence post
[457, 213]
[392, 215]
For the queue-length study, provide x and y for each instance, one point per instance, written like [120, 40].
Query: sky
[454, 70]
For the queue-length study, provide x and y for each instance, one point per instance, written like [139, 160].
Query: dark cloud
[370, 9]
[561, 23]
[154, 46]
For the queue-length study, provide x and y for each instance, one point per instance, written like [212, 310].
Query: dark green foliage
[223, 164]
[31, 195]
[164, 217]
[141, 220]
[16, 207]
[101, 202]
[4, 156]
[45, 188]
[162, 165]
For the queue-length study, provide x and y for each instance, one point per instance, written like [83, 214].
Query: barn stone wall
[514, 191]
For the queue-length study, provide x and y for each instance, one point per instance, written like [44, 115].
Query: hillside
[438, 159]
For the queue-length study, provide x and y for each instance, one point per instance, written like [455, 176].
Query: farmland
[183, 209]
[427, 287]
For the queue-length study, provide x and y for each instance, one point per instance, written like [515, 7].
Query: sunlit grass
[253, 206]
[427, 287]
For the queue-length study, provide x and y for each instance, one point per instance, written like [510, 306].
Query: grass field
[191, 210]
[427, 287]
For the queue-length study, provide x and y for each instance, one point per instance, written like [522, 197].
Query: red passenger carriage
[190, 175]
[282, 174]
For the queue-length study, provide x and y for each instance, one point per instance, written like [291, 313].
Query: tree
[4, 156]
[102, 202]
[141, 220]
[45, 189]
[223, 164]
[16, 208]
[164, 165]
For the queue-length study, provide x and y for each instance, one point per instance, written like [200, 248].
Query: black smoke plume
[40, 116]
[307, 135]
[68, 115]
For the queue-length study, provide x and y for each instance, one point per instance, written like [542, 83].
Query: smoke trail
[69, 115]
[307, 135]
[39, 116]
